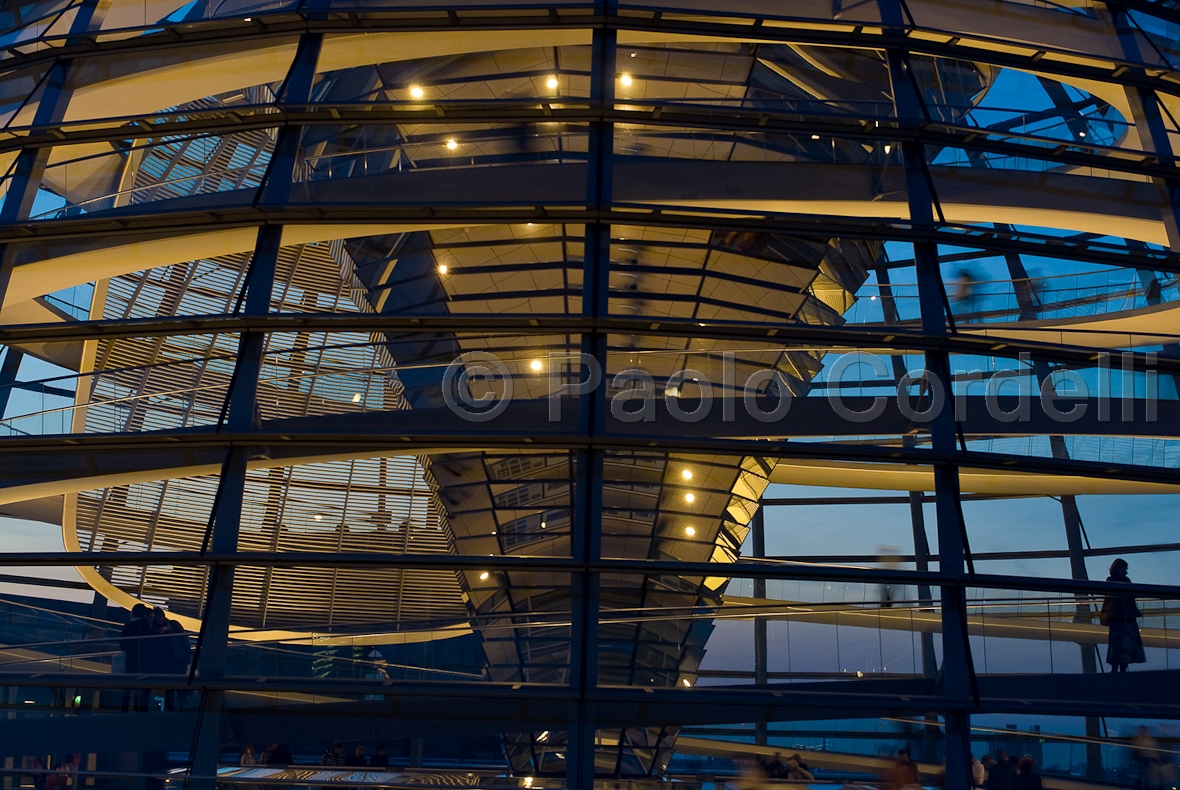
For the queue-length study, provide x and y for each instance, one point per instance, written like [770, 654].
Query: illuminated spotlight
[452, 145]
[356, 397]
[686, 474]
[690, 531]
[416, 92]
[551, 83]
[542, 525]
[690, 497]
[1081, 134]
[888, 148]
[687, 683]
[483, 577]
[317, 517]
[815, 137]
[872, 298]
[442, 268]
[626, 80]
[248, 19]
[535, 365]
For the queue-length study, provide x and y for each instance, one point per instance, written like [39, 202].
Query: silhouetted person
[1145, 752]
[280, 756]
[1002, 774]
[357, 758]
[890, 561]
[1124, 646]
[793, 771]
[131, 642]
[978, 773]
[1026, 775]
[379, 759]
[165, 651]
[334, 755]
[904, 772]
[775, 768]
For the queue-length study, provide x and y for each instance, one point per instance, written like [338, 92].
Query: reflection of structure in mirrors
[246, 245]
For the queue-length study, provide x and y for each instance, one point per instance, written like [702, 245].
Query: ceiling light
[687, 683]
[356, 397]
[626, 80]
[483, 577]
[542, 525]
[317, 517]
[1081, 134]
[551, 83]
[690, 531]
[535, 365]
[815, 137]
[686, 474]
[888, 148]
[633, 54]
[415, 92]
[452, 145]
[248, 19]
[442, 268]
[690, 497]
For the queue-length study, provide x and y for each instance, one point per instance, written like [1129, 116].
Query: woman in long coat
[1119, 614]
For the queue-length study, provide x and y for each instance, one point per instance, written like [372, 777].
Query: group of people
[794, 768]
[1004, 772]
[335, 755]
[152, 644]
[1001, 773]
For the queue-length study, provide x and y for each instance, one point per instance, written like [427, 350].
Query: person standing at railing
[1026, 775]
[131, 643]
[1119, 614]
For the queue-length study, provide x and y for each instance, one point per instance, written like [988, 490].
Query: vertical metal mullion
[957, 676]
[758, 549]
[586, 524]
[241, 401]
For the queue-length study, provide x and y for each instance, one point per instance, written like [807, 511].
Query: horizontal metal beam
[573, 111]
[505, 564]
[780, 335]
[833, 32]
[39, 454]
[179, 222]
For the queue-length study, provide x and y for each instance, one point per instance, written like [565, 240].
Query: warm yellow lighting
[551, 83]
[535, 365]
[690, 531]
[686, 474]
[686, 682]
[356, 397]
[626, 80]
[318, 517]
[415, 92]
[690, 498]
[815, 137]
[888, 148]
[483, 577]
[452, 145]
[442, 268]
